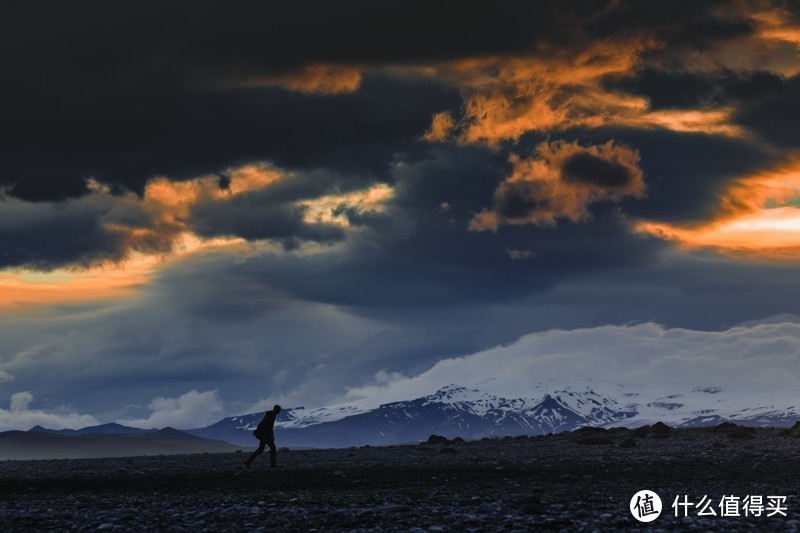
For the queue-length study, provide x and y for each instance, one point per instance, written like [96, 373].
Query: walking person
[266, 437]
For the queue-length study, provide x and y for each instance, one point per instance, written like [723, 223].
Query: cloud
[19, 417]
[560, 182]
[756, 215]
[441, 127]
[125, 134]
[317, 78]
[553, 88]
[230, 91]
[627, 65]
[191, 410]
[771, 115]
[101, 230]
[683, 89]
[19, 401]
[45, 236]
[746, 358]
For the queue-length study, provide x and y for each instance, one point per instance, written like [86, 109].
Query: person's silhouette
[266, 437]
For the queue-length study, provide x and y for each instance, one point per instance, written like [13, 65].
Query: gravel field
[579, 481]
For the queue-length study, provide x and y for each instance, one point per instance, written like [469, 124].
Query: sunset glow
[756, 217]
[24, 290]
[767, 234]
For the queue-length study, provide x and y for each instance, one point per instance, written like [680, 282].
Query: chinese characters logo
[645, 506]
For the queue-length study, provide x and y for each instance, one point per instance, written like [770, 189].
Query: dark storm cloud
[125, 137]
[689, 90]
[124, 91]
[434, 262]
[520, 199]
[212, 38]
[684, 23]
[251, 221]
[587, 168]
[684, 172]
[45, 237]
[775, 116]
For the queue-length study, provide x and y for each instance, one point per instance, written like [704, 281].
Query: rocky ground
[576, 481]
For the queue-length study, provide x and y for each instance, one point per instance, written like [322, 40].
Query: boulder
[660, 428]
[437, 439]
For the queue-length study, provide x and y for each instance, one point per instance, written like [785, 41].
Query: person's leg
[273, 453]
[261, 445]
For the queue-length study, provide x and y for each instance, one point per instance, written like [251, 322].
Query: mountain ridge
[471, 413]
[456, 411]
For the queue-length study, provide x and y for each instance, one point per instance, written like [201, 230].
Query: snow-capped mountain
[455, 411]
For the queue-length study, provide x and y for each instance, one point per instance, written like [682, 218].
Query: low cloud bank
[19, 416]
[754, 357]
[191, 410]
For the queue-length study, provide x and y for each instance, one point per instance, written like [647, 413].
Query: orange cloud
[772, 46]
[552, 89]
[441, 128]
[330, 209]
[708, 121]
[153, 230]
[555, 89]
[561, 181]
[21, 290]
[757, 216]
[164, 208]
[317, 78]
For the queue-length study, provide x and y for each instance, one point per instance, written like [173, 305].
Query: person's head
[276, 409]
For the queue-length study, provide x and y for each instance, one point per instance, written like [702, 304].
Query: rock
[437, 439]
[533, 485]
[448, 450]
[742, 433]
[793, 431]
[394, 508]
[595, 441]
[590, 430]
[642, 431]
[660, 428]
[531, 505]
[628, 443]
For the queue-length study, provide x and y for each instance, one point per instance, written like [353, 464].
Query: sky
[207, 208]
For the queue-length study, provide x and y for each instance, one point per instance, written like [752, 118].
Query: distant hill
[44, 444]
[112, 428]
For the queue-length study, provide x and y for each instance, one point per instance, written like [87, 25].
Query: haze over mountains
[452, 411]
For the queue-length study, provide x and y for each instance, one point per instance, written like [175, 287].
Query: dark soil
[552, 482]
